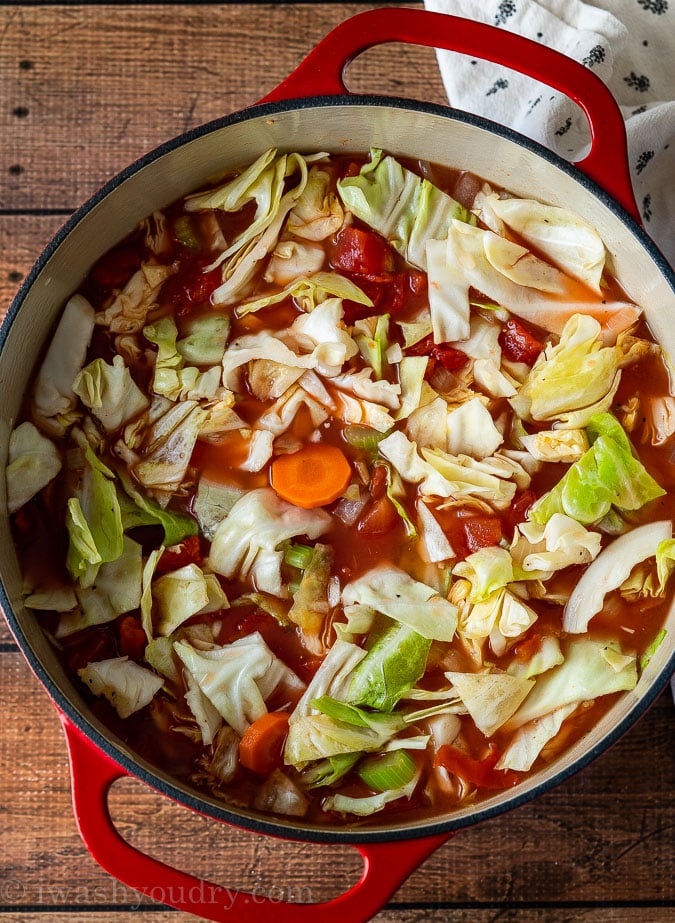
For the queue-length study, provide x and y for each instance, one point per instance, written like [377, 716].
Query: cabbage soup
[344, 487]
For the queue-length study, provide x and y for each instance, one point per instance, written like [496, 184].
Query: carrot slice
[314, 476]
[261, 746]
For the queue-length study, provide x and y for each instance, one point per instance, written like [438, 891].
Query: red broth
[374, 524]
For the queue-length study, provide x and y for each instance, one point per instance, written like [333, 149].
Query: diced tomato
[443, 354]
[481, 773]
[482, 532]
[363, 253]
[132, 637]
[519, 342]
[378, 482]
[378, 518]
[191, 287]
[187, 552]
[449, 357]
[520, 504]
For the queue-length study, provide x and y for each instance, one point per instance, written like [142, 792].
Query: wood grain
[86, 90]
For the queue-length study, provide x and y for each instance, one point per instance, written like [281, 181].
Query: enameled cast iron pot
[329, 119]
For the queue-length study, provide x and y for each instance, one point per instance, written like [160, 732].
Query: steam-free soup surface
[344, 488]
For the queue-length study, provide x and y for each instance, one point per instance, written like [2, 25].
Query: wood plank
[591, 839]
[108, 83]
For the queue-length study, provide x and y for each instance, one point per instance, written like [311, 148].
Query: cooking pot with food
[370, 722]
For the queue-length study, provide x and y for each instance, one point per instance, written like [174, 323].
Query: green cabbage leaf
[33, 461]
[405, 209]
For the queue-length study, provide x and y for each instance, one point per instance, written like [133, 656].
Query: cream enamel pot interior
[331, 120]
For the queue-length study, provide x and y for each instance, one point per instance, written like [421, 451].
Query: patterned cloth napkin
[630, 44]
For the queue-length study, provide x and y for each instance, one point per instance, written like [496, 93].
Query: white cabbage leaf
[501, 617]
[177, 596]
[529, 740]
[280, 415]
[399, 205]
[548, 655]
[573, 379]
[490, 698]
[411, 372]
[110, 393]
[53, 400]
[362, 386]
[467, 253]
[168, 444]
[609, 570]
[449, 308]
[238, 678]
[561, 542]
[130, 308]
[307, 293]
[471, 430]
[572, 244]
[126, 685]
[434, 544]
[317, 213]
[318, 736]
[292, 260]
[247, 542]
[33, 461]
[556, 445]
[208, 718]
[204, 340]
[487, 570]
[332, 678]
[396, 594]
[591, 668]
[117, 590]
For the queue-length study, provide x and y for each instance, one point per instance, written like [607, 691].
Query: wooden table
[85, 90]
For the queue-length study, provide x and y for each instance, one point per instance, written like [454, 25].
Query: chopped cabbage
[559, 543]
[207, 716]
[487, 569]
[588, 671]
[471, 430]
[449, 308]
[125, 685]
[571, 243]
[609, 570]
[309, 292]
[178, 595]
[317, 213]
[467, 252]
[247, 542]
[394, 593]
[528, 742]
[607, 476]
[491, 698]
[33, 461]
[556, 445]
[405, 209]
[395, 661]
[53, 399]
[371, 804]
[130, 308]
[205, 339]
[167, 446]
[238, 678]
[110, 392]
[572, 380]
[332, 678]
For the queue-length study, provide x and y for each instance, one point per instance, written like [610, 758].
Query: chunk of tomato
[519, 343]
[363, 253]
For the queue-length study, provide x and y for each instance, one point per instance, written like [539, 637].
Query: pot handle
[385, 865]
[321, 73]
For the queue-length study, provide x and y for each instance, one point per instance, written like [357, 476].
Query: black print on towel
[596, 55]
[637, 82]
[647, 207]
[643, 160]
[500, 84]
[658, 7]
[505, 10]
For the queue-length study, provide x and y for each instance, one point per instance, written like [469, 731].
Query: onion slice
[609, 570]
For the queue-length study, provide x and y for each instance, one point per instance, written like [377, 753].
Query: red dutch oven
[312, 110]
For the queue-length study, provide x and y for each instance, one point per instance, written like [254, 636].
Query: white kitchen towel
[630, 44]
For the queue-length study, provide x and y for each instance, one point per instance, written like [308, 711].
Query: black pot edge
[289, 830]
